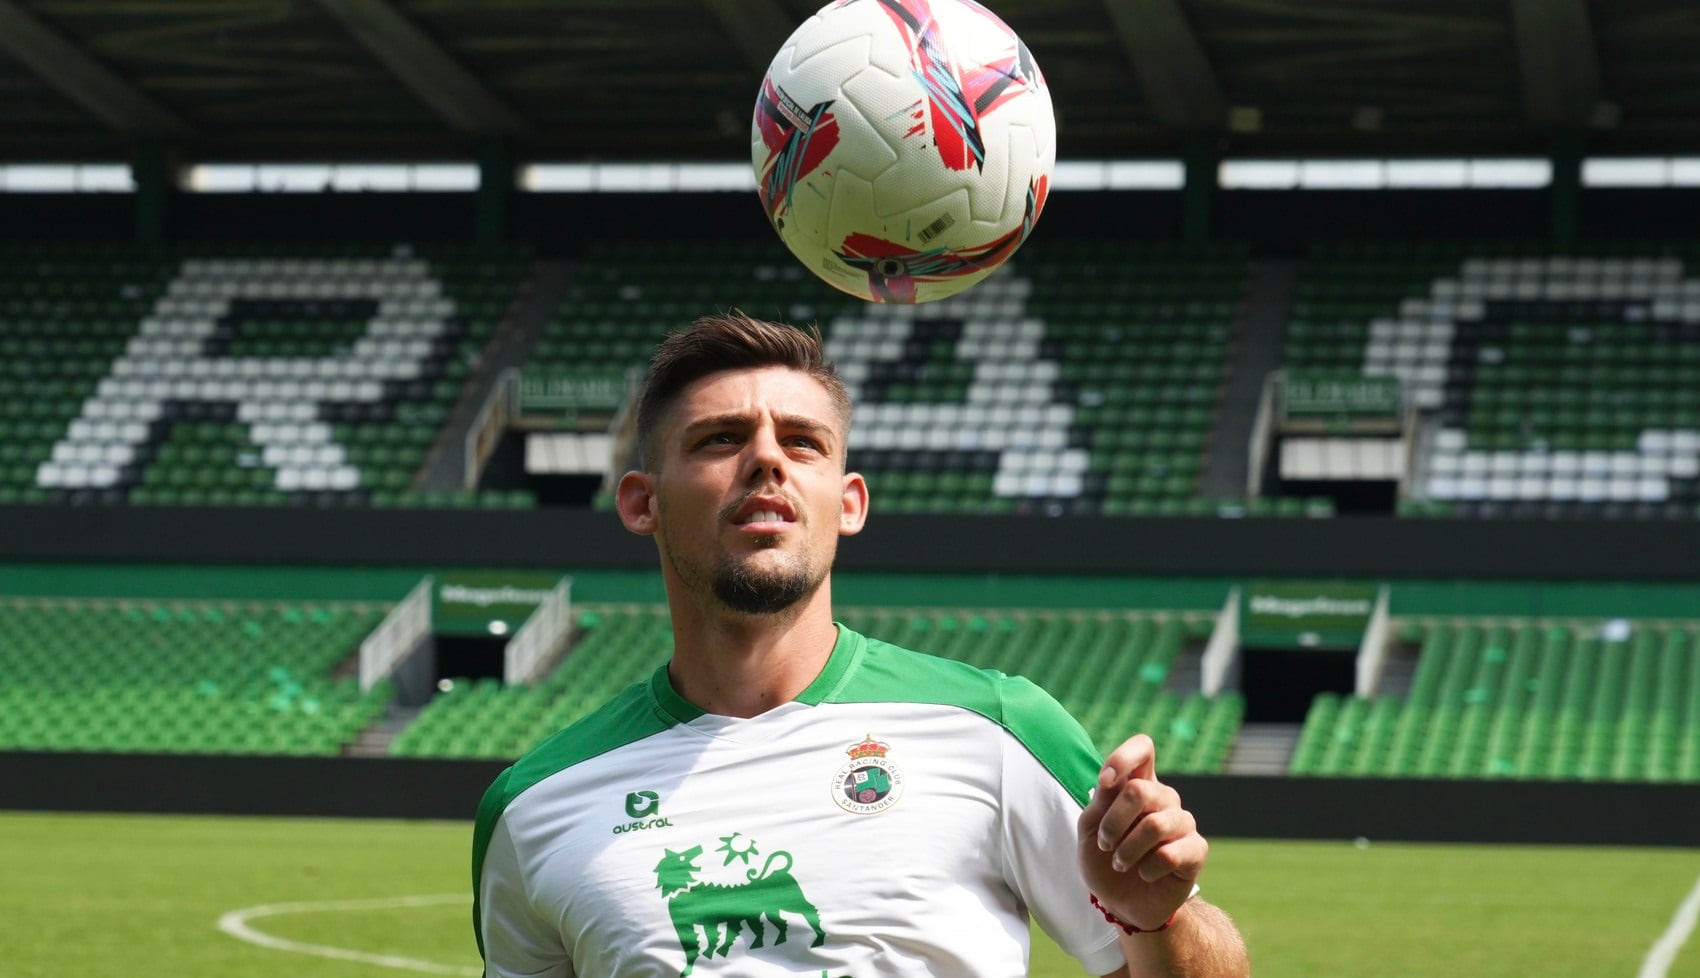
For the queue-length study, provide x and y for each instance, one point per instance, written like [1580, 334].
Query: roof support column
[1564, 194]
[1201, 159]
[495, 190]
[150, 167]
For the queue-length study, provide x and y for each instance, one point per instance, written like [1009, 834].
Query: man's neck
[740, 665]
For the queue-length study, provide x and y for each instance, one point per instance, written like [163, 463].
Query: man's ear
[635, 499]
[854, 510]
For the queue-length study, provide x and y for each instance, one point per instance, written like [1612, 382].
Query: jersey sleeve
[516, 940]
[1049, 770]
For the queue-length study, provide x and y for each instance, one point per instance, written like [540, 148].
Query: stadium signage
[466, 602]
[1309, 394]
[567, 392]
[1306, 614]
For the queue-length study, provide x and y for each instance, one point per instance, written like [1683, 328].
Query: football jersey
[904, 815]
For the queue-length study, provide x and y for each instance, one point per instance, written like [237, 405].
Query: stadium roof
[675, 79]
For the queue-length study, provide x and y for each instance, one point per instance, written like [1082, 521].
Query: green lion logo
[721, 912]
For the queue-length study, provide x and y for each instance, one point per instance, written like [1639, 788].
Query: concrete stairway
[1263, 748]
[375, 740]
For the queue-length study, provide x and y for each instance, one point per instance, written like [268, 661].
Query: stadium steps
[1187, 676]
[511, 347]
[1270, 289]
[375, 739]
[1398, 670]
[1263, 749]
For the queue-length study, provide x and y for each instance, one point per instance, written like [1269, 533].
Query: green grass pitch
[141, 896]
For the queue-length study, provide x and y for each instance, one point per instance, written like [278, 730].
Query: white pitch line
[235, 923]
[1665, 949]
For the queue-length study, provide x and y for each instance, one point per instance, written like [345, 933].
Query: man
[877, 811]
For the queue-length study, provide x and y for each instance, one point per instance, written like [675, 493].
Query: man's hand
[1139, 850]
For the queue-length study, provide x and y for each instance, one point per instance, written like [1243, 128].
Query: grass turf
[141, 896]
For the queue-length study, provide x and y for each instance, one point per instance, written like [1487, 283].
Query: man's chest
[779, 849]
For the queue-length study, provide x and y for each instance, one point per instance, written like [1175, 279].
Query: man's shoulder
[1029, 714]
[892, 672]
[630, 716]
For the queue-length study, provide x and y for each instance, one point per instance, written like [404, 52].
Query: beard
[763, 592]
[746, 589]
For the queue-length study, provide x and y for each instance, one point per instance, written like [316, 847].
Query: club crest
[869, 783]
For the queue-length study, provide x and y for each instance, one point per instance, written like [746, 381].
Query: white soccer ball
[903, 148]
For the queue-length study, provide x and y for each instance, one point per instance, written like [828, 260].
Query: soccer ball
[903, 148]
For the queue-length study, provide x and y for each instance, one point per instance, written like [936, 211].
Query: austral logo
[642, 807]
[870, 783]
[640, 804]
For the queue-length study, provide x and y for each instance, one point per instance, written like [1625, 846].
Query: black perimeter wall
[1275, 223]
[1227, 807]
[1339, 547]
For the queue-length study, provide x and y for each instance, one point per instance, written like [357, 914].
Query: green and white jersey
[903, 816]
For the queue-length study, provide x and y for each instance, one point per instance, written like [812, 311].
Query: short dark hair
[728, 341]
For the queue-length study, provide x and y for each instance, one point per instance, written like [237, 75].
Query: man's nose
[767, 458]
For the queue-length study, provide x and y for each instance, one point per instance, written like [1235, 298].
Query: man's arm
[1201, 941]
[1141, 855]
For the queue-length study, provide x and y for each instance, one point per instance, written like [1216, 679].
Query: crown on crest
[869, 747]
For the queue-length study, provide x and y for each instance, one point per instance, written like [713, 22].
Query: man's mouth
[766, 510]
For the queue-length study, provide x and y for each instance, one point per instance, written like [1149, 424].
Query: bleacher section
[1087, 379]
[1552, 385]
[174, 677]
[1527, 698]
[615, 648]
[1537, 698]
[1084, 380]
[1111, 669]
[238, 375]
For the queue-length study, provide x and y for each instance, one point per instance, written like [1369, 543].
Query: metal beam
[80, 78]
[442, 83]
[1165, 53]
[758, 27]
[1559, 61]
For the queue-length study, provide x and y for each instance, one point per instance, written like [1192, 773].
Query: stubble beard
[739, 587]
[753, 591]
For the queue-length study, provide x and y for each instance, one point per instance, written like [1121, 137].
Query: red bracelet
[1126, 927]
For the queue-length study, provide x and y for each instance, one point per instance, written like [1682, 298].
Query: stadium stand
[175, 677]
[1552, 383]
[1116, 671]
[239, 375]
[1085, 380]
[1113, 669]
[616, 647]
[1530, 699]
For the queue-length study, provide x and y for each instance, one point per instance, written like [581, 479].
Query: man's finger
[1094, 811]
[1156, 830]
[1129, 804]
[1183, 858]
[1135, 758]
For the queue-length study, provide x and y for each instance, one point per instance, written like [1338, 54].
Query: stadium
[1338, 426]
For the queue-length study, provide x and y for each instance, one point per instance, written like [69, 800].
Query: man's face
[748, 493]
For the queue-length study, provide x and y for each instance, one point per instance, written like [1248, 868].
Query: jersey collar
[846, 654]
